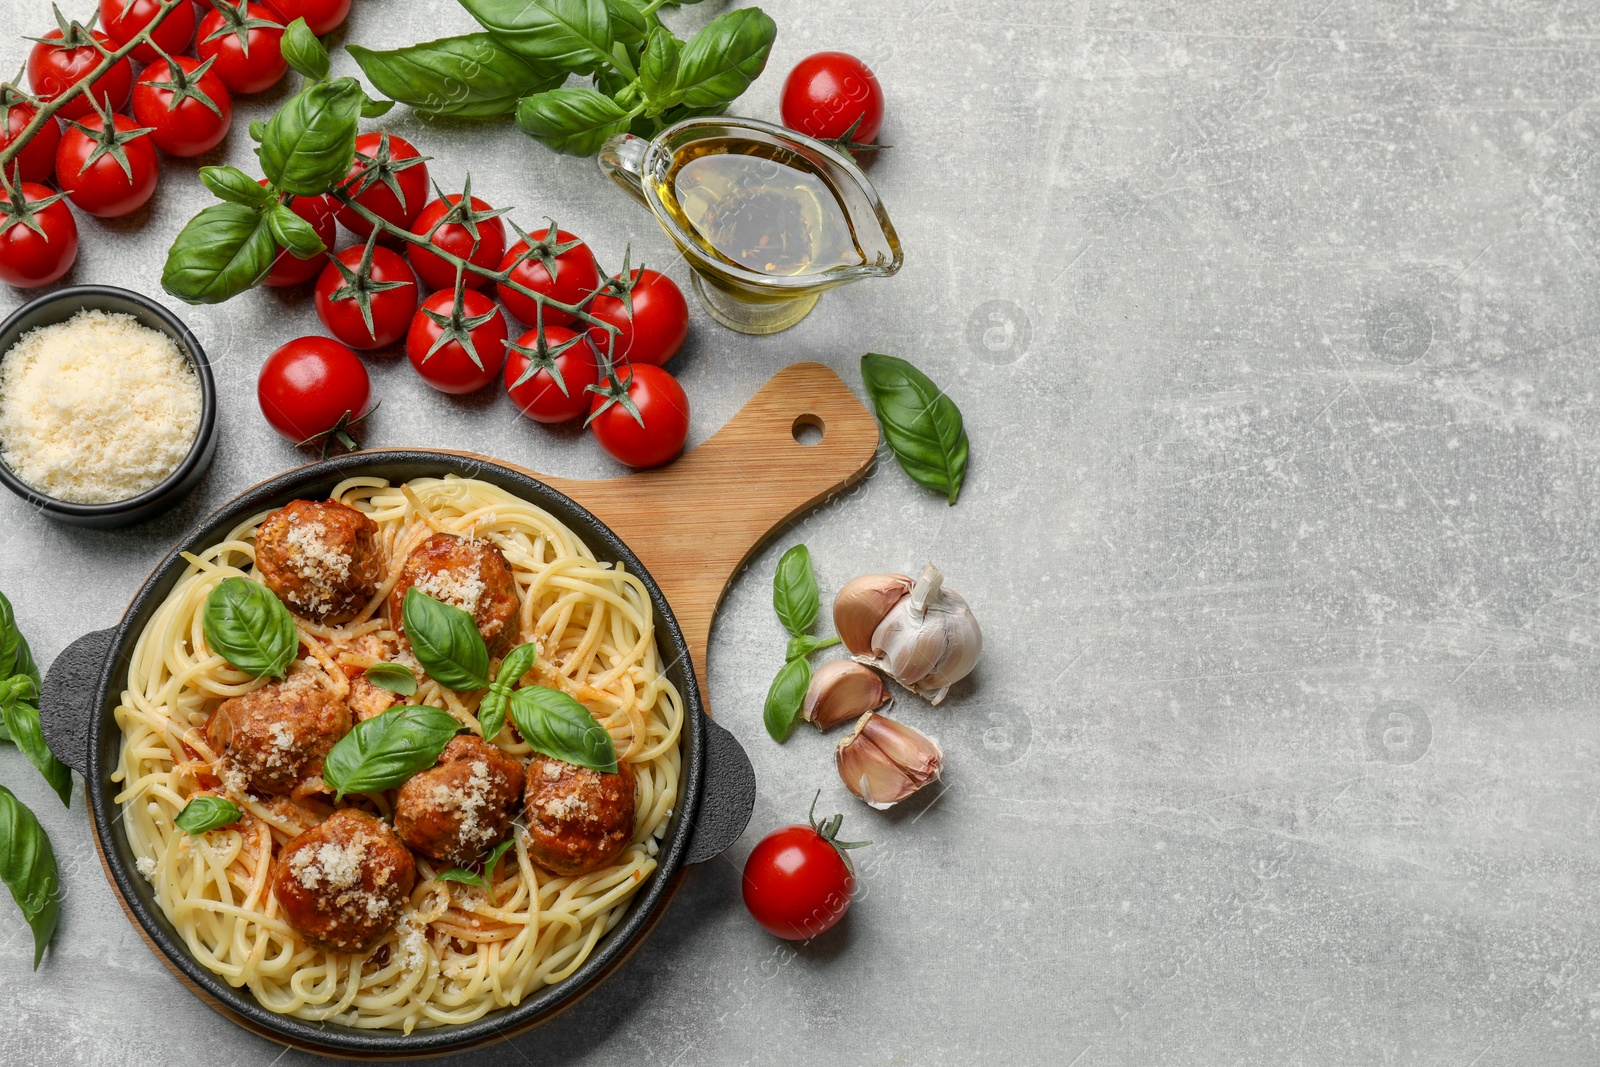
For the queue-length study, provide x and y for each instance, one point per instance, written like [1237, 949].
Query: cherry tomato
[447, 365]
[454, 237]
[533, 387]
[798, 880]
[99, 185]
[187, 115]
[828, 93]
[246, 42]
[389, 293]
[290, 269]
[576, 276]
[54, 68]
[380, 158]
[29, 258]
[313, 387]
[656, 329]
[661, 427]
[322, 16]
[37, 160]
[123, 19]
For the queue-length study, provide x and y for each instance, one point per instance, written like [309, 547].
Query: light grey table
[1273, 326]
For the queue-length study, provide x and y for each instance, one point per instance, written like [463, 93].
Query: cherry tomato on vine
[455, 235]
[576, 275]
[657, 327]
[188, 109]
[658, 431]
[442, 342]
[551, 384]
[382, 159]
[123, 19]
[323, 16]
[38, 236]
[107, 172]
[290, 269]
[246, 41]
[347, 294]
[799, 880]
[64, 58]
[827, 94]
[37, 160]
[313, 388]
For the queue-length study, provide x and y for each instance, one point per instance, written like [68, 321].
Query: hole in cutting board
[808, 430]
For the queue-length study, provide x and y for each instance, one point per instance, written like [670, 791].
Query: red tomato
[54, 68]
[321, 15]
[366, 312]
[551, 384]
[290, 269]
[312, 388]
[434, 342]
[798, 880]
[246, 41]
[28, 257]
[100, 186]
[455, 237]
[37, 161]
[123, 19]
[576, 275]
[656, 329]
[657, 433]
[187, 115]
[828, 93]
[381, 158]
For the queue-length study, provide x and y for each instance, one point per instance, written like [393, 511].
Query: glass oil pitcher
[768, 218]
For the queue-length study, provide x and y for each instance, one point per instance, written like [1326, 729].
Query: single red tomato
[314, 388]
[832, 94]
[38, 236]
[366, 299]
[558, 265]
[643, 421]
[799, 880]
[457, 351]
[322, 16]
[186, 106]
[550, 383]
[123, 19]
[90, 166]
[657, 325]
[65, 57]
[452, 228]
[37, 160]
[290, 269]
[389, 178]
[246, 42]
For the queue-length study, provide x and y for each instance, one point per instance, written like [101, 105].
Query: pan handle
[67, 701]
[728, 797]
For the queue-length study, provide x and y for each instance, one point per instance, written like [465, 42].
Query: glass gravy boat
[768, 218]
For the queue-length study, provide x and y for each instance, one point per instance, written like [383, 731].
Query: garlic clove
[928, 640]
[840, 691]
[883, 761]
[861, 605]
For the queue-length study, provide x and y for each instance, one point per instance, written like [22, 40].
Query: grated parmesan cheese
[96, 409]
[453, 586]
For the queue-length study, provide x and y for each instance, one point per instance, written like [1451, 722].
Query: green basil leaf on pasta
[575, 121]
[492, 710]
[395, 677]
[310, 142]
[22, 723]
[28, 868]
[922, 425]
[207, 813]
[574, 35]
[784, 697]
[220, 253]
[470, 877]
[247, 625]
[382, 752]
[472, 76]
[556, 725]
[234, 186]
[806, 644]
[794, 591]
[302, 51]
[719, 63]
[446, 642]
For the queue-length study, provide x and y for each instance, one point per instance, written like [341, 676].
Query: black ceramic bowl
[87, 678]
[60, 306]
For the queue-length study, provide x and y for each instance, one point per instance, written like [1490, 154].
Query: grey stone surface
[1273, 326]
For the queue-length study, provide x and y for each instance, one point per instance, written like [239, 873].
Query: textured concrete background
[1273, 326]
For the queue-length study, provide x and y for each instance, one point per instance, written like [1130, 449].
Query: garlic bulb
[840, 691]
[883, 761]
[928, 640]
[862, 604]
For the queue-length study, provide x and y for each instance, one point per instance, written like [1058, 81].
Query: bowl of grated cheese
[107, 406]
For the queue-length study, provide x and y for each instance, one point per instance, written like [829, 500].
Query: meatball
[321, 558]
[578, 820]
[342, 884]
[269, 739]
[471, 574]
[455, 810]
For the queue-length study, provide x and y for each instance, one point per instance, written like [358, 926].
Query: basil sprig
[492, 710]
[469, 877]
[395, 677]
[446, 642]
[922, 425]
[784, 697]
[20, 714]
[794, 591]
[247, 625]
[382, 752]
[220, 253]
[556, 725]
[207, 813]
[472, 76]
[795, 599]
[28, 868]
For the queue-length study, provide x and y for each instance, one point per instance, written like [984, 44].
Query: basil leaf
[310, 142]
[207, 813]
[784, 697]
[382, 752]
[22, 723]
[922, 425]
[462, 874]
[805, 644]
[371, 109]
[303, 51]
[446, 642]
[574, 35]
[658, 67]
[558, 726]
[16, 658]
[492, 710]
[395, 677]
[294, 233]
[250, 628]
[28, 868]
[234, 185]
[794, 590]
[629, 26]
[574, 121]
[220, 253]
[473, 76]
[721, 61]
